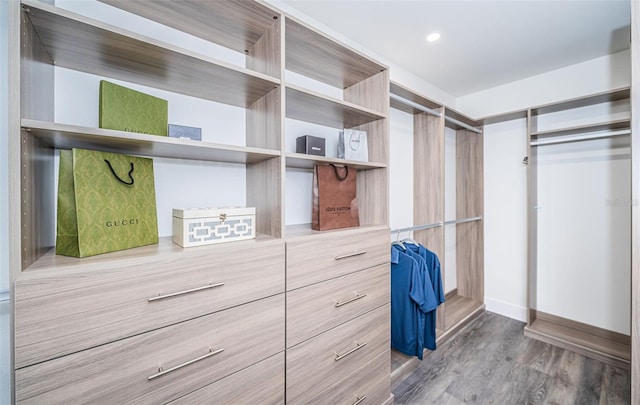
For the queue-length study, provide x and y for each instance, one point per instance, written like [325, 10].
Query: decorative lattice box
[204, 226]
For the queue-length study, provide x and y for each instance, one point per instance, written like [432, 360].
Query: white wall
[505, 218]
[594, 76]
[584, 212]
[400, 171]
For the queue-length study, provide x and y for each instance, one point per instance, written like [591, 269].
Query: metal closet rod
[432, 112]
[551, 141]
[436, 224]
[415, 105]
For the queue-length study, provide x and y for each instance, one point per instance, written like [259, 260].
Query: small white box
[204, 226]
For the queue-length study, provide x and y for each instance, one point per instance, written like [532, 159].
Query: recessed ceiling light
[433, 37]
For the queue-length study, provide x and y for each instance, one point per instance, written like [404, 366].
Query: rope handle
[118, 177]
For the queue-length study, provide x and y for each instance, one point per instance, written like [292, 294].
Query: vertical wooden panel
[373, 197]
[635, 176]
[13, 152]
[470, 260]
[470, 203]
[37, 173]
[373, 185]
[469, 174]
[264, 121]
[264, 179]
[428, 187]
[36, 76]
[372, 93]
[39, 197]
[532, 224]
[428, 162]
[265, 55]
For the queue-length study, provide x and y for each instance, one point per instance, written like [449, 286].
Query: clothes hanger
[397, 242]
[409, 240]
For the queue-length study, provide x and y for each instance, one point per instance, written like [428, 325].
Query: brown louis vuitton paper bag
[334, 198]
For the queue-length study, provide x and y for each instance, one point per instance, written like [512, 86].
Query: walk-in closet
[486, 159]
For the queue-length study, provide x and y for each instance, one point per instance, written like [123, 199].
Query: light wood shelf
[305, 105]
[312, 54]
[62, 136]
[80, 43]
[51, 264]
[303, 161]
[457, 308]
[304, 230]
[588, 340]
[582, 129]
[592, 99]
[235, 24]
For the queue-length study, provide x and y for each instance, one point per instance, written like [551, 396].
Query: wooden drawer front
[119, 372]
[262, 383]
[59, 315]
[370, 385]
[314, 309]
[312, 365]
[325, 256]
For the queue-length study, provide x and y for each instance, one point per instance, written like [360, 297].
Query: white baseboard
[506, 309]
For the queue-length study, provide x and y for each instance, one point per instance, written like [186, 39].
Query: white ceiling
[484, 43]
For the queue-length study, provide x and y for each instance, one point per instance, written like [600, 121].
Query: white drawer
[324, 256]
[65, 310]
[314, 309]
[331, 357]
[162, 365]
[262, 383]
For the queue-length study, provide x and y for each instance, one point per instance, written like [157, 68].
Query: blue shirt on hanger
[407, 296]
[433, 273]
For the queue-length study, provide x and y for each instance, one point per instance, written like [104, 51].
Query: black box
[311, 145]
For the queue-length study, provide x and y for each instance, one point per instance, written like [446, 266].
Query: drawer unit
[161, 365]
[262, 383]
[324, 256]
[314, 309]
[369, 385]
[64, 311]
[329, 358]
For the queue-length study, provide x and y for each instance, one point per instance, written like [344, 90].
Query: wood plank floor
[490, 361]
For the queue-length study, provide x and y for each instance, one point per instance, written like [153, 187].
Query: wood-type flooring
[490, 361]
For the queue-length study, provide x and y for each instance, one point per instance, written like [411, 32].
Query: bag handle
[118, 177]
[335, 169]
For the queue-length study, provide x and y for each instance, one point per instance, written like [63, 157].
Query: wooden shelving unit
[121, 284]
[465, 302]
[589, 340]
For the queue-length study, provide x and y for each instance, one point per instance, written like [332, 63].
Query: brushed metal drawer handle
[175, 294]
[357, 297]
[359, 399]
[343, 355]
[162, 372]
[358, 253]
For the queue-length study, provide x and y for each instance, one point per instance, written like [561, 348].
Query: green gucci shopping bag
[106, 202]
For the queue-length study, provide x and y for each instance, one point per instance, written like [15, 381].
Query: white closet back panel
[401, 171]
[584, 244]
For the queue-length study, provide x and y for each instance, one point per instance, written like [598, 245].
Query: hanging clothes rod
[551, 141]
[415, 105]
[432, 112]
[462, 221]
[462, 124]
[435, 225]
